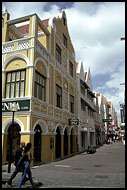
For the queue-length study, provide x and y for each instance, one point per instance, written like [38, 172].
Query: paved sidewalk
[103, 169]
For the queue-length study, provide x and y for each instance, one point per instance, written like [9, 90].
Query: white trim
[17, 50]
[73, 130]
[44, 63]
[68, 129]
[14, 57]
[9, 122]
[42, 124]
[60, 127]
[27, 133]
[29, 88]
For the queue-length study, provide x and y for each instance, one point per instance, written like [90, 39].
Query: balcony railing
[24, 44]
[16, 45]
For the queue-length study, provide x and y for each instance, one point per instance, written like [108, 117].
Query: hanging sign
[107, 120]
[73, 121]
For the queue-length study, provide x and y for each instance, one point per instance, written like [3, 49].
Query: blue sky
[95, 29]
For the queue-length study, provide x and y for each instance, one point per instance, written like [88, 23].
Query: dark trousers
[14, 174]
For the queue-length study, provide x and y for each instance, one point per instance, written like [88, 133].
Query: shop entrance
[37, 143]
[15, 140]
[65, 143]
[71, 142]
[58, 143]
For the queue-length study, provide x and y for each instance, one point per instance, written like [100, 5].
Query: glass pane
[35, 90]
[17, 90]
[43, 82]
[22, 75]
[58, 90]
[18, 76]
[8, 77]
[22, 89]
[38, 78]
[13, 77]
[12, 90]
[7, 90]
[40, 92]
[43, 94]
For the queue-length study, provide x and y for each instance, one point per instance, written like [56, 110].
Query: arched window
[40, 83]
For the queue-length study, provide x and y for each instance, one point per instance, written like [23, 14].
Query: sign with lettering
[107, 120]
[23, 105]
[73, 121]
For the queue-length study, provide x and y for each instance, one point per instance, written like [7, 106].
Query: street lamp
[13, 108]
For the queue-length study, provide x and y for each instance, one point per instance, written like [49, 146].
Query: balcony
[24, 44]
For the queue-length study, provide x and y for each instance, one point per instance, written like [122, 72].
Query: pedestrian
[117, 138]
[27, 159]
[110, 140]
[18, 168]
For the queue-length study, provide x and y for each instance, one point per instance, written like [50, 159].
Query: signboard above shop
[23, 105]
[107, 120]
[73, 121]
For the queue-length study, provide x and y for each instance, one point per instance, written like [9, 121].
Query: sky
[95, 30]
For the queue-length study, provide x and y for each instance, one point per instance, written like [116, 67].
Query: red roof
[109, 103]
[25, 28]
[98, 94]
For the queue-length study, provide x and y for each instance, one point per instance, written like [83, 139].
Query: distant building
[99, 116]
[86, 129]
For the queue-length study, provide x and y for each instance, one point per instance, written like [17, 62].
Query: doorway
[15, 140]
[71, 142]
[37, 143]
[65, 143]
[58, 143]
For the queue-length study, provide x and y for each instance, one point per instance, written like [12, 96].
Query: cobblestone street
[105, 168]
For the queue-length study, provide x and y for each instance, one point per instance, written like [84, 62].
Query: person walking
[18, 168]
[27, 159]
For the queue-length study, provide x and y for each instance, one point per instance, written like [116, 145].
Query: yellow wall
[61, 28]
[16, 64]
[56, 76]
[4, 143]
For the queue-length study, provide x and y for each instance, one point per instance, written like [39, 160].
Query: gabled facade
[39, 74]
[100, 131]
[86, 109]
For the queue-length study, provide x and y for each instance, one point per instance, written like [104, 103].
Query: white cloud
[20, 9]
[95, 29]
[117, 78]
[96, 34]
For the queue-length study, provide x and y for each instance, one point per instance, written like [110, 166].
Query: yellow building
[39, 74]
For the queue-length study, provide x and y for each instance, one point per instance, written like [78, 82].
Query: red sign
[111, 125]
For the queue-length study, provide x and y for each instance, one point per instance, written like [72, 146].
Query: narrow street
[105, 168]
